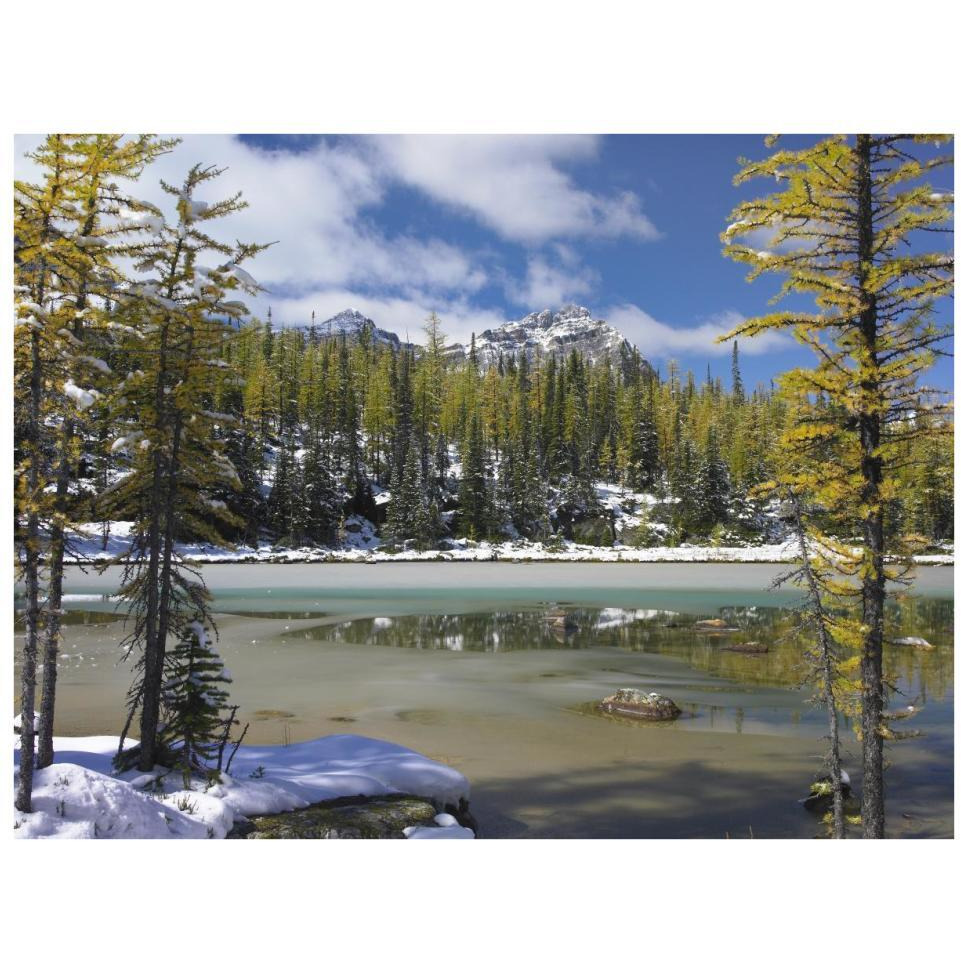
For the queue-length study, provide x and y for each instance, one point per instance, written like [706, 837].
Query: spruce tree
[194, 699]
[712, 486]
[321, 505]
[283, 504]
[475, 495]
[644, 454]
[409, 516]
[737, 385]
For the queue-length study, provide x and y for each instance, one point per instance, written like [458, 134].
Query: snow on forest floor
[89, 544]
[79, 796]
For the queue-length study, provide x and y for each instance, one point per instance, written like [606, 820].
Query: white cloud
[316, 205]
[656, 339]
[549, 285]
[514, 185]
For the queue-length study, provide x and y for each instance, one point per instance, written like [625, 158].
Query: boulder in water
[629, 702]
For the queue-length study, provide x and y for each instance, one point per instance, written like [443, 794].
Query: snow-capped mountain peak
[548, 331]
[349, 323]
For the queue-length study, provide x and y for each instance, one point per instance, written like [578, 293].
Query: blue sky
[486, 229]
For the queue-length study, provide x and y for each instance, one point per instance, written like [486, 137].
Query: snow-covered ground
[80, 796]
[90, 545]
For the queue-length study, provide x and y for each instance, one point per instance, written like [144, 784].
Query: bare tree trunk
[51, 640]
[873, 588]
[826, 654]
[154, 642]
[28, 673]
[153, 656]
[164, 513]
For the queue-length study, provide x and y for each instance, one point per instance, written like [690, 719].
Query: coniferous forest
[329, 434]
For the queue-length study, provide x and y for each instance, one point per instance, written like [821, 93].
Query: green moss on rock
[345, 818]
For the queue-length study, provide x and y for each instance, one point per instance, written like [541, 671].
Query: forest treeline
[317, 426]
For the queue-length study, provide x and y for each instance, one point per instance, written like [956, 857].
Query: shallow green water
[489, 667]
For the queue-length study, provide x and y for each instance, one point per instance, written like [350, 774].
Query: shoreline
[88, 543]
[683, 555]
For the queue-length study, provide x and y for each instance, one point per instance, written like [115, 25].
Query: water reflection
[556, 626]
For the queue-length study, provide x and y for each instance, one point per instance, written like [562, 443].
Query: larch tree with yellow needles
[70, 228]
[855, 224]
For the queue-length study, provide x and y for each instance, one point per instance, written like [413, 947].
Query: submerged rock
[918, 642]
[748, 647]
[630, 702]
[385, 816]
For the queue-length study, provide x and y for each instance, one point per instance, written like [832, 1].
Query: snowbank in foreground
[79, 797]
[90, 545]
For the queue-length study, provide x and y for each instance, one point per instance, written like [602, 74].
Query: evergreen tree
[475, 496]
[737, 385]
[67, 229]
[712, 487]
[172, 437]
[848, 228]
[321, 506]
[284, 513]
[194, 699]
[409, 516]
[644, 453]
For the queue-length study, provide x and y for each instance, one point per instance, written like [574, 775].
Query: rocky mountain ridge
[539, 333]
[547, 332]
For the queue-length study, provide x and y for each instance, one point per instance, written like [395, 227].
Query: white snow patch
[82, 398]
[80, 797]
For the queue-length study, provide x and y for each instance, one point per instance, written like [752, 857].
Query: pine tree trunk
[28, 673]
[51, 640]
[153, 649]
[826, 656]
[31, 568]
[167, 515]
[51, 648]
[153, 659]
[873, 586]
